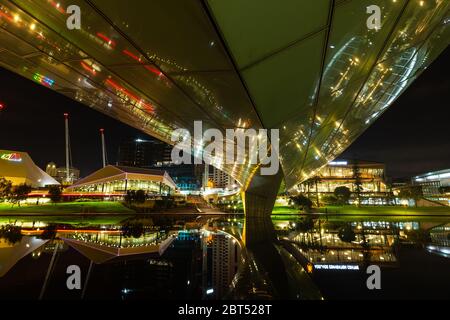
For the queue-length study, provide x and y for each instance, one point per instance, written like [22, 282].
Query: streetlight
[2, 107]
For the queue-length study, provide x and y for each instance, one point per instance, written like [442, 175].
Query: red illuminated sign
[14, 157]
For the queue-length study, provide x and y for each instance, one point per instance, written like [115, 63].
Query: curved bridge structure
[316, 70]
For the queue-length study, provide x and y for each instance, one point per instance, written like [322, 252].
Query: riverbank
[385, 210]
[103, 207]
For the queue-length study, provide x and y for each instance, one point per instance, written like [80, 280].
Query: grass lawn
[65, 208]
[285, 210]
[381, 210]
[75, 220]
[66, 213]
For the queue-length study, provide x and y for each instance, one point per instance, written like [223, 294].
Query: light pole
[102, 133]
[66, 121]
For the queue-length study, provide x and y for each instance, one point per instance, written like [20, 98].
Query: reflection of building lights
[109, 42]
[336, 267]
[43, 80]
[136, 101]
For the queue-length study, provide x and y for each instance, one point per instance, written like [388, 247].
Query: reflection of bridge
[311, 69]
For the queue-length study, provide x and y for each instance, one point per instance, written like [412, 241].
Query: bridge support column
[259, 234]
[259, 198]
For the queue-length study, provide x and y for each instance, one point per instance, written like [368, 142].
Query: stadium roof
[114, 173]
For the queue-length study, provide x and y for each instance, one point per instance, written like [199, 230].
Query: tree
[330, 200]
[342, 194]
[140, 196]
[12, 234]
[302, 202]
[282, 190]
[411, 192]
[419, 237]
[130, 196]
[133, 229]
[357, 182]
[5, 188]
[49, 232]
[305, 224]
[55, 193]
[347, 234]
[313, 182]
[20, 193]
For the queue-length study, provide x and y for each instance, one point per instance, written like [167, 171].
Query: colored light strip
[149, 68]
[88, 68]
[43, 80]
[7, 16]
[131, 55]
[109, 41]
[57, 6]
[131, 96]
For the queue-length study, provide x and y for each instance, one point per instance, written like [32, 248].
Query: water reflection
[205, 257]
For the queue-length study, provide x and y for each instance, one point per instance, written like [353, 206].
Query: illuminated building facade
[59, 173]
[19, 168]
[117, 180]
[345, 173]
[144, 153]
[188, 177]
[51, 169]
[219, 179]
[435, 185]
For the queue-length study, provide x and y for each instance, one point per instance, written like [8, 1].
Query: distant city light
[338, 163]
[209, 291]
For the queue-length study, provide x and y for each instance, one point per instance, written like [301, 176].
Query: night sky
[411, 137]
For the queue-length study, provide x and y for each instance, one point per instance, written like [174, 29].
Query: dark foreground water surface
[189, 257]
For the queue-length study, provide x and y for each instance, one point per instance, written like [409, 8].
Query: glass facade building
[344, 173]
[117, 180]
[435, 185]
